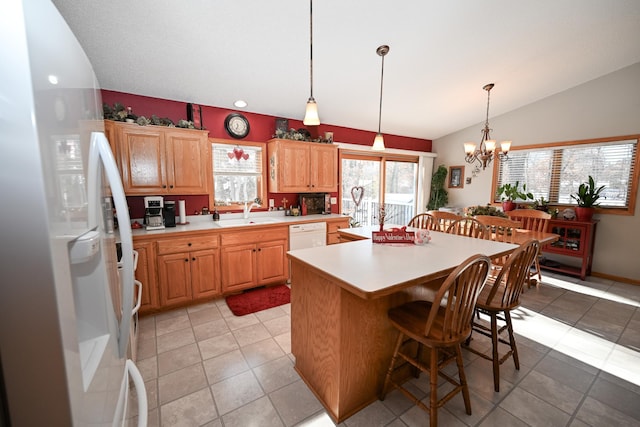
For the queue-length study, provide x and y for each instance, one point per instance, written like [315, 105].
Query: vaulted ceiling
[214, 52]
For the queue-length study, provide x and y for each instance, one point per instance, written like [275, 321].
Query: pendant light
[378, 142]
[311, 117]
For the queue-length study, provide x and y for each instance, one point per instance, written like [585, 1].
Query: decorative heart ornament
[245, 156]
[357, 193]
[231, 155]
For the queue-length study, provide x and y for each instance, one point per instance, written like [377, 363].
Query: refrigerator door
[65, 313]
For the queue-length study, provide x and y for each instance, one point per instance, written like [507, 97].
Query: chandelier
[486, 151]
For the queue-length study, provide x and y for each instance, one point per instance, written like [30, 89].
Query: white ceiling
[213, 52]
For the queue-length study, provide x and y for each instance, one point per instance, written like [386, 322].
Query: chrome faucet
[247, 208]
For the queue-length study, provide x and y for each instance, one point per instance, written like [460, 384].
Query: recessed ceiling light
[53, 79]
[240, 103]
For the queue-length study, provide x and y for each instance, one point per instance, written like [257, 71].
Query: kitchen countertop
[206, 223]
[370, 270]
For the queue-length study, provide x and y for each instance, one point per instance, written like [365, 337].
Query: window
[555, 171]
[238, 173]
[369, 182]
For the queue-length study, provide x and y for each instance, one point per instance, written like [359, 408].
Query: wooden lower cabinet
[146, 274]
[247, 264]
[332, 230]
[185, 275]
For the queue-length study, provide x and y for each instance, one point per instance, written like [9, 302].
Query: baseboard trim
[615, 278]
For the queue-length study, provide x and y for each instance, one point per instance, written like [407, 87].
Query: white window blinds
[555, 172]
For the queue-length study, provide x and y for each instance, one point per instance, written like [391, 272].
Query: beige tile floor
[579, 345]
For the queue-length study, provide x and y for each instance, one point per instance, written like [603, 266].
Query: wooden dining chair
[501, 295]
[532, 219]
[469, 227]
[425, 221]
[441, 326]
[444, 219]
[500, 230]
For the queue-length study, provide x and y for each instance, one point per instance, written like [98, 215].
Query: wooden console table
[577, 239]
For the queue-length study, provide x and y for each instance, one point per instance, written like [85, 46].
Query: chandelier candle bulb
[505, 146]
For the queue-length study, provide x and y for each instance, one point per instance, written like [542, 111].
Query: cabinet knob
[259, 249]
[171, 186]
[186, 260]
[189, 244]
[164, 186]
[193, 259]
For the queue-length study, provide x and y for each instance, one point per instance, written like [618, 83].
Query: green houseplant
[509, 193]
[439, 196]
[587, 197]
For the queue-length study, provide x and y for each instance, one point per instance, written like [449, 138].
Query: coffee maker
[169, 213]
[153, 215]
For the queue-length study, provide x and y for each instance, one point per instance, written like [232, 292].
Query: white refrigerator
[65, 307]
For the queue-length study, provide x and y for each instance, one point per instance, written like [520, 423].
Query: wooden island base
[342, 343]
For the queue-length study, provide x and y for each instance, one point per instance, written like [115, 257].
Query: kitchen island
[340, 295]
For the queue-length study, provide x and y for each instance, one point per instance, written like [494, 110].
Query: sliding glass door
[371, 182]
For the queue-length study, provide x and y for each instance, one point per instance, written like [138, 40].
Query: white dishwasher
[311, 235]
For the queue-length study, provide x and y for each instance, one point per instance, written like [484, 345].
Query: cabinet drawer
[187, 244]
[333, 226]
[254, 236]
[333, 238]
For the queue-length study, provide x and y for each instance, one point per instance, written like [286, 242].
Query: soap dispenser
[216, 215]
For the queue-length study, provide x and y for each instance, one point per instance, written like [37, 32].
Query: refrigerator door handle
[131, 371]
[139, 299]
[100, 150]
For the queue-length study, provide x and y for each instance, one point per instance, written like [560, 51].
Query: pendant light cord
[381, 82]
[311, 46]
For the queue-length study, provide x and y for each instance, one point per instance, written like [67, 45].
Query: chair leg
[433, 380]
[512, 339]
[495, 357]
[387, 379]
[463, 381]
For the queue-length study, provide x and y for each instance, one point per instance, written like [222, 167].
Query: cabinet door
[272, 263]
[145, 273]
[324, 168]
[174, 276]
[187, 159]
[142, 158]
[205, 273]
[294, 167]
[238, 267]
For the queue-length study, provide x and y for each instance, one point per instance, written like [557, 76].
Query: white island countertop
[371, 270]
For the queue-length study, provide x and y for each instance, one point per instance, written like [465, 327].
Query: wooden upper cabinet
[187, 161]
[302, 167]
[159, 160]
[324, 167]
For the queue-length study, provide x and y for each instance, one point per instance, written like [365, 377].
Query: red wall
[262, 128]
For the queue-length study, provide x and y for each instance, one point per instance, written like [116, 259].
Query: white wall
[605, 107]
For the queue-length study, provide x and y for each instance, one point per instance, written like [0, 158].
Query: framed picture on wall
[194, 114]
[456, 176]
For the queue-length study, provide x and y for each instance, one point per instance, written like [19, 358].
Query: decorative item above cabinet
[302, 167]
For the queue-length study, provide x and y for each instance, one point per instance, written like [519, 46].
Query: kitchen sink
[249, 221]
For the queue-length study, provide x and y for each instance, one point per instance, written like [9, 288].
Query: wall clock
[236, 125]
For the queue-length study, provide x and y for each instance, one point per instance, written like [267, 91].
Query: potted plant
[541, 204]
[587, 198]
[508, 194]
[439, 196]
[485, 210]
